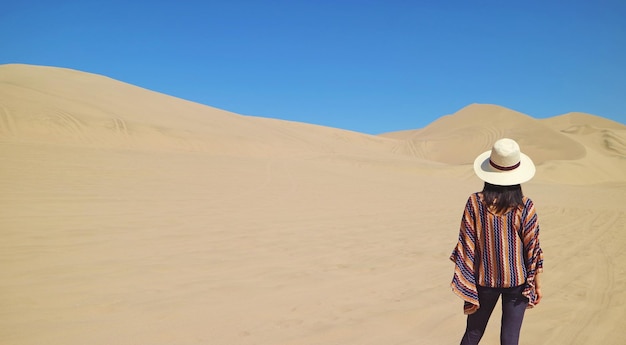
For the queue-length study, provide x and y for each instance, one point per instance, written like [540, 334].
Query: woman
[498, 251]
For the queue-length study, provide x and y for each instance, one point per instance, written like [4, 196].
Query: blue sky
[367, 66]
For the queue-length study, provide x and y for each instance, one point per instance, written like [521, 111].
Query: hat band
[499, 167]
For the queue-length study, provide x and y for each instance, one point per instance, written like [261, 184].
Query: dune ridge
[132, 217]
[53, 105]
[572, 148]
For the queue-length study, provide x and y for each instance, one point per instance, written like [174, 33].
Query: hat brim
[489, 174]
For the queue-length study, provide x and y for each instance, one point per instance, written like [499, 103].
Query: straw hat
[504, 164]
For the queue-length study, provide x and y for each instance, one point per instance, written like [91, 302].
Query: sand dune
[132, 217]
[64, 106]
[573, 148]
[601, 135]
[475, 128]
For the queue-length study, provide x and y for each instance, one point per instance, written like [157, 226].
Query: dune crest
[454, 139]
[48, 105]
[60, 106]
[572, 148]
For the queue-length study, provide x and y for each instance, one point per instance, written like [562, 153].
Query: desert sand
[133, 217]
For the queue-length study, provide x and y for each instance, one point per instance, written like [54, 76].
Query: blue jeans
[513, 308]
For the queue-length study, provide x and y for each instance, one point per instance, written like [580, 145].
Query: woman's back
[500, 249]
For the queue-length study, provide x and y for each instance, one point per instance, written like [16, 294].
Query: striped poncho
[497, 251]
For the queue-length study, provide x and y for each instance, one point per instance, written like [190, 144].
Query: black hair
[503, 198]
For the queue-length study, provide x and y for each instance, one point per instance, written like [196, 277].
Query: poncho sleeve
[464, 279]
[533, 255]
